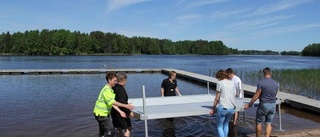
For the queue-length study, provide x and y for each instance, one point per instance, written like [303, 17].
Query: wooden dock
[295, 101]
[73, 71]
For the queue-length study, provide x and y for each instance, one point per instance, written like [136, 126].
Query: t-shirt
[227, 91]
[269, 89]
[237, 82]
[104, 102]
[122, 97]
[169, 87]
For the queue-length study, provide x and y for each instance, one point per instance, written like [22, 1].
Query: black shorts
[120, 122]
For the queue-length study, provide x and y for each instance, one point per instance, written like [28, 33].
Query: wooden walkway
[73, 71]
[295, 101]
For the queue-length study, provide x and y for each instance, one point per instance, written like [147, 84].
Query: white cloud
[285, 29]
[263, 22]
[189, 17]
[199, 3]
[118, 4]
[223, 14]
[283, 5]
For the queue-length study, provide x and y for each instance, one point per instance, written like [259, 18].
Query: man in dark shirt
[121, 116]
[169, 86]
[267, 90]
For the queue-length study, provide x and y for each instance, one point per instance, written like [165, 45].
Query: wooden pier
[73, 71]
[295, 101]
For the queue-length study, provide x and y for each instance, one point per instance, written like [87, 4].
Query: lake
[61, 105]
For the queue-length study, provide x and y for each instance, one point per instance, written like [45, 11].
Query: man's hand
[246, 106]
[131, 115]
[211, 112]
[129, 106]
[123, 114]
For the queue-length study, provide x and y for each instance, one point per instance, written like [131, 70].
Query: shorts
[120, 122]
[265, 113]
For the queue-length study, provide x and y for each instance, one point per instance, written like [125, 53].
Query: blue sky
[243, 24]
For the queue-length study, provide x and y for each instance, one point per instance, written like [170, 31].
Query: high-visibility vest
[104, 102]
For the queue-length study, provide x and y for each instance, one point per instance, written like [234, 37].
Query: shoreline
[294, 133]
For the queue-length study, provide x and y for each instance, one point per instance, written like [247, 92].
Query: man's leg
[269, 118]
[235, 118]
[268, 130]
[127, 132]
[100, 120]
[258, 129]
[119, 132]
[260, 118]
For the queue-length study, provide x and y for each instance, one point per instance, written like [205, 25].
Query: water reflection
[168, 127]
[61, 105]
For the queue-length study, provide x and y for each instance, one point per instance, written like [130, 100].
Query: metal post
[144, 110]
[279, 109]
[208, 83]
[279, 116]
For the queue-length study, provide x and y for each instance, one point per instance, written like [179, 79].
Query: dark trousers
[106, 128]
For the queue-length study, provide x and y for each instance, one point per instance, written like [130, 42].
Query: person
[225, 97]
[169, 86]
[267, 90]
[104, 104]
[120, 115]
[239, 94]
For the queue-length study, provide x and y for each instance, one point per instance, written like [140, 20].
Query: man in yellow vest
[104, 104]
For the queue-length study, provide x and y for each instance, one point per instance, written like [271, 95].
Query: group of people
[228, 88]
[113, 100]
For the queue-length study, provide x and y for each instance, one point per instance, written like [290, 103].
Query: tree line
[311, 50]
[64, 42]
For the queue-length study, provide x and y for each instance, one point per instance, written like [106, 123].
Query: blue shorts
[265, 112]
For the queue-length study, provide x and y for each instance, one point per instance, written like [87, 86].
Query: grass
[305, 82]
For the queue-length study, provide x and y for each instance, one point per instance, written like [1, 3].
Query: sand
[296, 133]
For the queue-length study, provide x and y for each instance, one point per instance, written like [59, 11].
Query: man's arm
[120, 112]
[254, 98]
[128, 106]
[177, 90]
[162, 92]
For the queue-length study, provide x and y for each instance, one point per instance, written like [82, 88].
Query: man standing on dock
[267, 90]
[238, 84]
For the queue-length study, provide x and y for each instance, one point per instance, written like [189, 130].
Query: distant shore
[123, 54]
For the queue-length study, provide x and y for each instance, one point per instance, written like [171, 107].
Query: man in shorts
[267, 90]
[120, 115]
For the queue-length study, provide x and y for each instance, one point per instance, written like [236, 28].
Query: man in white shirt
[238, 84]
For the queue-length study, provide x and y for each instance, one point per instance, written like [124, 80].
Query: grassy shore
[304, 82]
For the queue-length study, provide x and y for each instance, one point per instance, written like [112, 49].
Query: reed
[304, 82]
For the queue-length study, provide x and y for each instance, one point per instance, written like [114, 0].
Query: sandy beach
[296, 133]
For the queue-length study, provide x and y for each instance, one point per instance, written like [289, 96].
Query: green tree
[311, 50]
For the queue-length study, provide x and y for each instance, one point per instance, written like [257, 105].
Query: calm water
[194, 63]
[61, 105]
